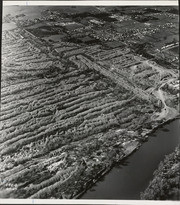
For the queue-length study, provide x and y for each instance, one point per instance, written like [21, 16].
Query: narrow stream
[131, 178]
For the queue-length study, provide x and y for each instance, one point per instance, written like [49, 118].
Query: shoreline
[108, 169]
[169, 165]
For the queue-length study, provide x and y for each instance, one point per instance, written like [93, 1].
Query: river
[128, 180]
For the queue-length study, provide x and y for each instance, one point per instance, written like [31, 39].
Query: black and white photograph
[90, 102]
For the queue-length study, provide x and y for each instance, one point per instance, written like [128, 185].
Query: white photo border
[94, 3]
[90, 3]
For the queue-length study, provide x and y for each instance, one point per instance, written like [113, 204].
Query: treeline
[166, 181]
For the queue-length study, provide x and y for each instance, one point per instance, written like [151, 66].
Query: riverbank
[155, 128]
[165, 182]
[128, 151]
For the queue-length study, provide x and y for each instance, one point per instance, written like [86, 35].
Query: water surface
[128, 180]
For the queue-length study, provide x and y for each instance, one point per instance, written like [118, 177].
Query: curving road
[166, 112]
